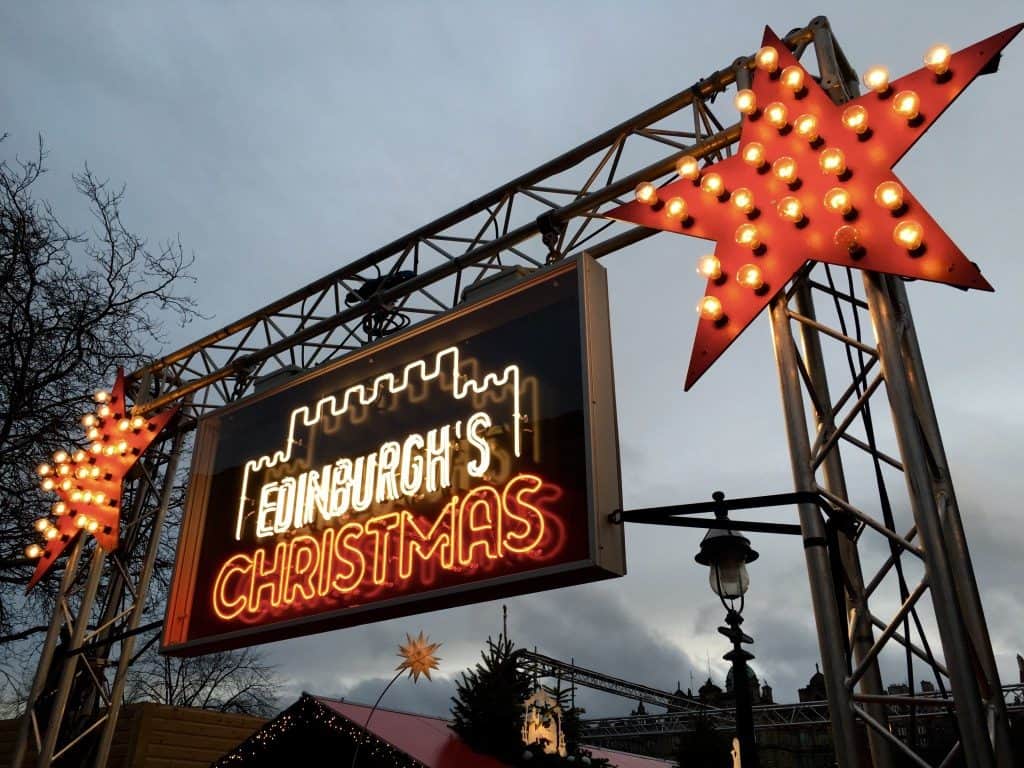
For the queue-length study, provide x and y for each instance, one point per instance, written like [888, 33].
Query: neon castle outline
[463, 386]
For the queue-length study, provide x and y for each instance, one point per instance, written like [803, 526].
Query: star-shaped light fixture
[88, 481]
[812, 180]
[418, 656]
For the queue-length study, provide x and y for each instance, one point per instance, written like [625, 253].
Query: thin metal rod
[888, 631]
[888, 736]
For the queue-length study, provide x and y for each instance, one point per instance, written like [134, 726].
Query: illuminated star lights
[88, 480]
[812, 180]
[418, 656]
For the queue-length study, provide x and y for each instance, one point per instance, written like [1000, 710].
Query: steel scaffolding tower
[549, 213]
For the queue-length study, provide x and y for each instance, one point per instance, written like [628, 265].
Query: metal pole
[956, 644]
[142, 589]
[46, 657]
[828, 616]
[956, 541]
[67, 677]
[739, 657]
[835, 481]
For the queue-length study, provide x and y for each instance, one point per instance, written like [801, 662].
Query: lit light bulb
[60, 457]
[138, 422]
[66, 484]
[833, 161]
[675, 209]
[776, 114]
[889, 194]
[51, 533]
[92, 526]
[753, 154]
[877, 79]
[109, 450]
[101, 396]
[99, 497]
[856, 118]
[44, 469]
[709, 267]
[907, 104]
[122, 446]
[33, 551]
[712, 184]
[82, 472]
[76, 496]
[838, 200]
[94, 472]
[688, 168]
[784, 169]
[847, 236]
[64, 470]
[793, 78]
[93, 433]
[749, 275]
[806, 126]
[81, 521]
[41, 524]
[48, 484]
[124, 425]
[937, 59]
[909, 234]
[767, 59]
[103, 411]
[89, 420]
[746, 101]
[60, 509]
[710, 308]
[79, 456]
[87, 497]
[96, 447]
[746, 234]
[743, 200]
[646, 193]
[791, 209]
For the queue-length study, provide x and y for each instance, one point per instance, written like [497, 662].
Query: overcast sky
[281, 140]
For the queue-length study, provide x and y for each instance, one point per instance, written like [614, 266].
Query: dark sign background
[536, 328]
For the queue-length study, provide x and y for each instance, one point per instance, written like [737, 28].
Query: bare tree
[73, 307]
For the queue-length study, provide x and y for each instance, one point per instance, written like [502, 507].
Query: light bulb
[889, 194]
[675, 208]
[87, 497]
[832, 161]
[44, 469]
[847, 236]
[746, 234]
[688, 168]
[82, 472]
[937, 59]
[92, 526]
[60, 509]
[93, 433]
[710, 308]
[51, 533]
[784, 169]
[103, 411]
[806, 126]
[60, 457]
[791, 209]
[856, 118]
[41, 524]
[749, 275]
[94, 472]
[101, 396]
[79, 456]
[63, 470]
[124, 425]
[99, 497]
[66, 484]
[109, 450]
[47, 484]
[753, 154]
[96, 447]
[746, 101]
[81, 521]
[909, 234]
[709, 267]
[793, 78]
[838, 201]
[907, 104]
[776, 114]
[877, 79]
[89, 420]
[712, 184]
[743, 200]
[646, 193]
[122, 446]
[767, 59]
[76, 496]
[33, 551]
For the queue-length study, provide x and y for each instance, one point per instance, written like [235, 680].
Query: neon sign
[471, 457]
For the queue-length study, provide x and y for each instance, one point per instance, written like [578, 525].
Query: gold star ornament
[417, 656]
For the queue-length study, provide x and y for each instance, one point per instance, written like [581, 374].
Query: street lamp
[727, 553]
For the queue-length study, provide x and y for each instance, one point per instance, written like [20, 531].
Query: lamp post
[726, 553]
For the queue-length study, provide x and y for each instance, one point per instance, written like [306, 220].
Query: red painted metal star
[88, 481]
[812, 180]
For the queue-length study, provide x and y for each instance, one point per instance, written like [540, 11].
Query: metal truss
[544, 215]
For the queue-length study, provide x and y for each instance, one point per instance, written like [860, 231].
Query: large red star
[812, 180]
[88, 481]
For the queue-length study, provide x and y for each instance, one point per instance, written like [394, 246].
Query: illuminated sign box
[472, 457]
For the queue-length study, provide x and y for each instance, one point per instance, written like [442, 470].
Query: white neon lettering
[410, 477]
[439, 459]
[476, 425]
[389, 457]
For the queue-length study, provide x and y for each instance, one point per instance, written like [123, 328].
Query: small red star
[88, 481]
[812, 180]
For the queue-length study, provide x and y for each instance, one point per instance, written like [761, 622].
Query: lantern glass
[729, 578]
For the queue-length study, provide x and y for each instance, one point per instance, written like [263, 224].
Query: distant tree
[73, 307]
